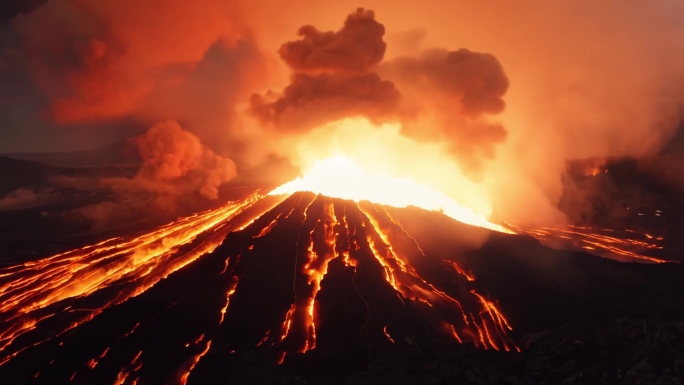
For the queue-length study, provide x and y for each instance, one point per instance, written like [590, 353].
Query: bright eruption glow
[340, 177]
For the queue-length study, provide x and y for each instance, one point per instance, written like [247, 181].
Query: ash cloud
[310, 101]
[332, 78]
[176, 162]
[85, 64]
[451, 97]
[357, 47]
[437, 96]
[586, 79]
[473, 83]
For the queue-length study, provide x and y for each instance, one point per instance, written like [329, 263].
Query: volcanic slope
[313, 275]
[315, 288]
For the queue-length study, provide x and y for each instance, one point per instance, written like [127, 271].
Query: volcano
[305, 287]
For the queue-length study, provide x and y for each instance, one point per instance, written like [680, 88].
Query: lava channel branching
[272, 279]
[53, 290]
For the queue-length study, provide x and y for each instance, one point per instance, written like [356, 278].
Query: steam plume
[173, 156]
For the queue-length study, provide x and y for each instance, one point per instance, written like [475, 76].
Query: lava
[266, 276]
[626, 246]
[340, 177]
[135, 365]
[369, 239]
[276, 267]
[328, 238]
[32, 292]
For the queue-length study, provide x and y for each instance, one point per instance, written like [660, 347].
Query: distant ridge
[117, 154]
[16, 173]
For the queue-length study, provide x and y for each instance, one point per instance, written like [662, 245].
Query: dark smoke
[310, 101]
[356, 47]
[472, 83]
[438, 96]
[332, 78]
[450, 97]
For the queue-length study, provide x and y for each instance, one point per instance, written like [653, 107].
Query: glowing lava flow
[625, 246]
[407, 281]
[339, 177]
[274, 277]
[31, 292]
[360, 236]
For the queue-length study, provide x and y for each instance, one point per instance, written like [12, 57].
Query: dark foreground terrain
[324, 291]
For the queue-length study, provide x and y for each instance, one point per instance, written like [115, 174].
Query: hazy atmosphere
[507, 93]
[317, 193]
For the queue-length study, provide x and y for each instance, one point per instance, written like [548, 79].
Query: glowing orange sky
[582, 79]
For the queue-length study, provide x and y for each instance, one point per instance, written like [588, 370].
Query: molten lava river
[309, 270]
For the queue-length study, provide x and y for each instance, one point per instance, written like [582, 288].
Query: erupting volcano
[203, 193]
[278, 276]
[309, 274]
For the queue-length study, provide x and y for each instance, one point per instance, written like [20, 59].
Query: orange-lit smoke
[171, 154]
[503, 93]
[140, 64]
[97, 61]
[436, 121]
[177, 167]
[450, 96]
[584, 79]
[332, 77]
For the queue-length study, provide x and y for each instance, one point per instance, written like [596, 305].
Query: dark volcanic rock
[253, 312]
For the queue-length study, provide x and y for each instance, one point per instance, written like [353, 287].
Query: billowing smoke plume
[332, 78]
[97, 62]
[449, 97]
[357, 47]
[175, 156]
[577, 79]
[310, 101]
[446, 94]
[176, 169]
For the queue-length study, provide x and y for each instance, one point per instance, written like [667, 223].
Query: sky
[505, 92]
